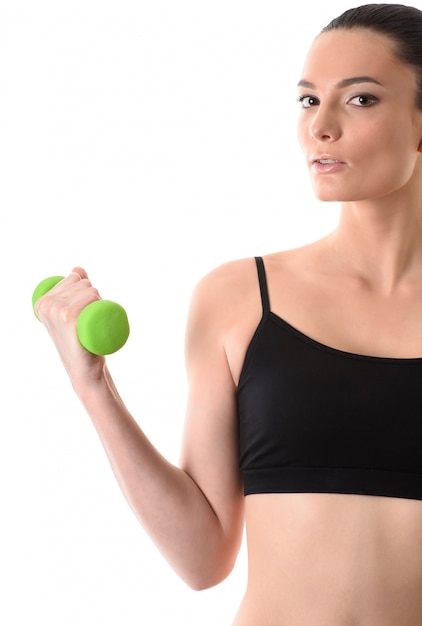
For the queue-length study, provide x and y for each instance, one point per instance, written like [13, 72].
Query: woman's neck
[381, 241]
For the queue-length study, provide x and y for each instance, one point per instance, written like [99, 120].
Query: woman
[304, 368]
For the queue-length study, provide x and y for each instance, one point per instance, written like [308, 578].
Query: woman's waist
[327, 609]
[349, 547]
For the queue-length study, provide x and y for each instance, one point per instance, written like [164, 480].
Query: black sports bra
[319, 420]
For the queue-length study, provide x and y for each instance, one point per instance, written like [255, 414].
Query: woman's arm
[193, 513]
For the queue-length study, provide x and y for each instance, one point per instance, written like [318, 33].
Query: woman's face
[359, 128]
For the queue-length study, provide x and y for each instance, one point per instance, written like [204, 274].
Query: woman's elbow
[209, 574]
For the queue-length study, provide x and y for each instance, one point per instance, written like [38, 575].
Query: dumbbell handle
[102, 326]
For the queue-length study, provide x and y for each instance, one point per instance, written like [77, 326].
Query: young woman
[304, 415]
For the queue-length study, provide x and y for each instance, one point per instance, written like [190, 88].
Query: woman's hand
[59, 309]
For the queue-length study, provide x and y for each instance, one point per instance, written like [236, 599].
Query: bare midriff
[332, 560]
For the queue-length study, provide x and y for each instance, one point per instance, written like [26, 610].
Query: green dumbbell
[102, 326]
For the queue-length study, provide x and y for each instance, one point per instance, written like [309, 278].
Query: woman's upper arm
[210, 441]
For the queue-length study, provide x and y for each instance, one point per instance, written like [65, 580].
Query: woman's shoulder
[218, 297]
[235, 278]
[235, 282]
[227, 280]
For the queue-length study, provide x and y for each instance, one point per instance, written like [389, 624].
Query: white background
[148, 141]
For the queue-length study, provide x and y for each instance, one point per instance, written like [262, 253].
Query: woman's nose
[324, 126]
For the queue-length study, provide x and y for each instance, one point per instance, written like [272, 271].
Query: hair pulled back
[403, 24]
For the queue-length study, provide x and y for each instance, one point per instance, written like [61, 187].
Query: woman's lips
[326, 165]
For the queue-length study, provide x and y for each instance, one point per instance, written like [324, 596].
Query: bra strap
[263, 284]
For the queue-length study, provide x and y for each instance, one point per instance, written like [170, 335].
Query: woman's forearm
[166, 500]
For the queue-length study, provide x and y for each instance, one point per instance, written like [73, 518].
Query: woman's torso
[332, 559]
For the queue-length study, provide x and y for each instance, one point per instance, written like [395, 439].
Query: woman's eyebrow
[346, 82]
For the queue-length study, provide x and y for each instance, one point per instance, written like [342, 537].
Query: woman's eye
[307, 102]
[363, 100]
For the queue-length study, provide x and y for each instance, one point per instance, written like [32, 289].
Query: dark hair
[403, 24]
